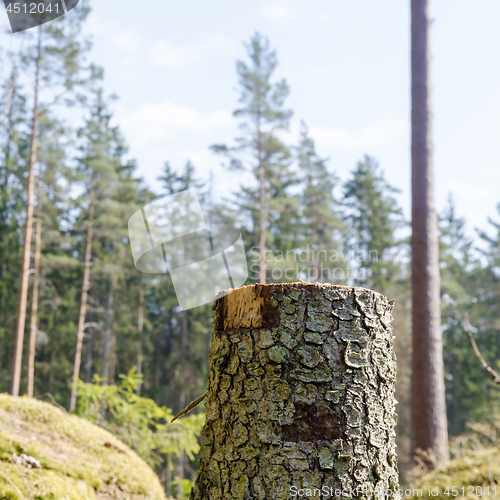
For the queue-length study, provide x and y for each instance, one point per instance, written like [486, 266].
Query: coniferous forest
[139, 358]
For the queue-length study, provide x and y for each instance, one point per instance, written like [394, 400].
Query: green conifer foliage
[372, 217]
[260, 150]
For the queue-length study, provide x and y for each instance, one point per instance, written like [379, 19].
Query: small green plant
[183, 487]
[138, 421]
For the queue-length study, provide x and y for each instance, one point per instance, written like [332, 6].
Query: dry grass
[475, 465]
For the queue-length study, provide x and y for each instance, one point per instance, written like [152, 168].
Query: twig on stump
[300, 395]
[192, 405]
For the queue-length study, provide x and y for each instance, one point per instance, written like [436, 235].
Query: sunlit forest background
[319, 226]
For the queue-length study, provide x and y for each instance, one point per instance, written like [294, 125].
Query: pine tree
[25, 259]
[57, 60]
[51, 156]
[429, 425]
[260, 150]
[14, 153]
[111, 195]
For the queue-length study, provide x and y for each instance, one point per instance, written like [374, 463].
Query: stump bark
[300, 395]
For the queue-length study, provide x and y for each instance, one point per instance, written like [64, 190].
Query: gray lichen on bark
[300, 393]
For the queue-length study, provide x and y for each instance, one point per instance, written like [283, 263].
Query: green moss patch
[80, 461]
[478, 472]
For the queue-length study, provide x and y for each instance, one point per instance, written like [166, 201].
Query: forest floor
[46, 453]
[473, 472]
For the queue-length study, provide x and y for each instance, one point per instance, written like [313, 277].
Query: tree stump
[300, 395]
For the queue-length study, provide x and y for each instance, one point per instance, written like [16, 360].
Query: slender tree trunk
[88, 361]
[182, 359]
[34, 300]
[83, 302]
[300, 395]
[429, 425]
[10, 87]
[314, 237]
[51, 372]
[262, 224]
[112, 359]
[182, 398]
[262, 207]
[140, 328]
[23, 287]
[168, 478]
[108, 332]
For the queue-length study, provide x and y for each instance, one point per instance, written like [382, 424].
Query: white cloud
[96, 25]
[384, 131]
[127, 40]
[159, 122]
[278, 10]
[170, 55]
[464, 191]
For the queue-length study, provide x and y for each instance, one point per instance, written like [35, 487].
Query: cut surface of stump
[300, 395]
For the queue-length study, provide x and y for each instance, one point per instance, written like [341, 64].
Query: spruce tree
[321, 226]
[372, 216]
[186, 324]
[460, 275]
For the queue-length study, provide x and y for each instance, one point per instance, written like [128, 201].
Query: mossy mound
[79, 460]
[478, 472]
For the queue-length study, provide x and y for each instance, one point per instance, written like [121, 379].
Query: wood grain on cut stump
[300, 395]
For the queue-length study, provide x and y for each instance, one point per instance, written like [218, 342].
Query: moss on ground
[80, 461]
[478, 471]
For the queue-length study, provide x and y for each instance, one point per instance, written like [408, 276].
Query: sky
[348, 67]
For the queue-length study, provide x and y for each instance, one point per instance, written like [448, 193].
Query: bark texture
[429, 424]
[300, 394]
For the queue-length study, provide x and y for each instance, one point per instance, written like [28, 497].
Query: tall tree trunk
[262, 224]
[182, 359]
[262, 206]
[140, 328]
[23, 287]
[34, 300]
[182, 397]
[314, 237]
[83, 302]
[51, 372]
[88, 361]
[108, 333]
[300, 395]
[168, 477]
[429, 425]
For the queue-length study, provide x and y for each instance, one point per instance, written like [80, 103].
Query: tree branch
[196, 402]
[486, 366]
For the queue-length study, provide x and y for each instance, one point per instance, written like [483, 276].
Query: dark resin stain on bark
[312, 423]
